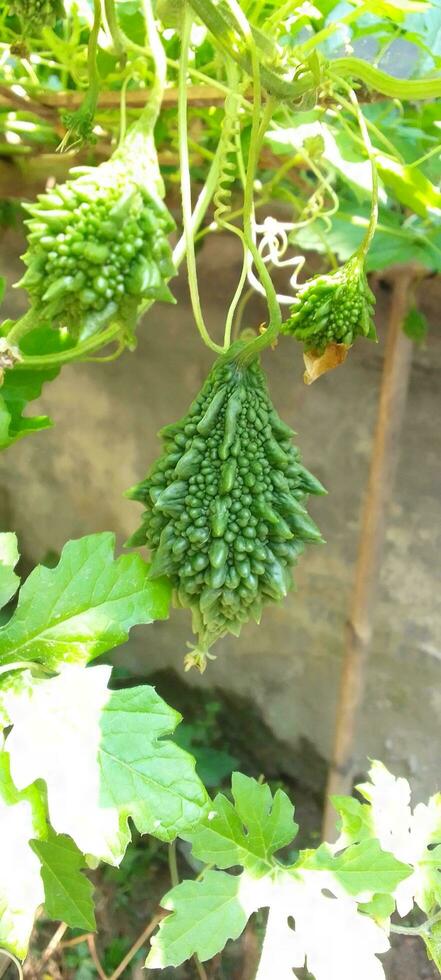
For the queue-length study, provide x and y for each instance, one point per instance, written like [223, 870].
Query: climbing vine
[275, 132]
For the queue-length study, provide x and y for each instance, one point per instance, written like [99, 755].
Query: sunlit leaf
[249, 830]
[413, 837]
[315, 897]
[9, 556]
[409, 186]
[21, 887]
[205, 915]
[67, 892]
[104, 759]
[363, 867]
[84, 606]
[394, 243]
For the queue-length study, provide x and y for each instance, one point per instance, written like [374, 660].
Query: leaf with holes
[413, 837]
[359, 869]
[247, 832]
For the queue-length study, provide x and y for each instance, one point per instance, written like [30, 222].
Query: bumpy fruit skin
[36, 14]
[98, 247]
[333, 309]
[225, 516]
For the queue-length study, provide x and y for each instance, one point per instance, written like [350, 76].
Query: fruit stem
[24, 325]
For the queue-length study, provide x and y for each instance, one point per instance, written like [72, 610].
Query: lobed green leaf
[104, 759]
[83, 607]
[68, 894]
[248, 831]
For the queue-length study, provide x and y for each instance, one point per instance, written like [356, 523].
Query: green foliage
[248, 832]
[333, 309]
[225, 516]
[415, 325]
[119, 763]
[205, 915]
[21, 819]
[83, 607]
[36, 14]
[21, 385]
[68, 894]
[334, 140]
[9, 556]
[362, 867]
[79, 760]
[432, 939]
[396, 241]
[414, 837]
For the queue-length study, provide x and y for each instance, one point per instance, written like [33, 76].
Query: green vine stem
[258, 130]
[80, 122]
[135, 141]
[380, 81]
[115, 33]
[421, 930]
[37, 363]
[173, 864]
[232, 108]
[373, 219]
[24, 325]
[186, 185]
[13, 959]
[220, 27]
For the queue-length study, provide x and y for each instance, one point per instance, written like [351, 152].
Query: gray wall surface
[69, 481]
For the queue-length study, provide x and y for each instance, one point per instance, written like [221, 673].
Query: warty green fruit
[225, 514]
[333, 308]
[98, 246]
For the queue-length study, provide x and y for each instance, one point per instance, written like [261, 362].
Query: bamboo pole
[47, 104]
[392, 402]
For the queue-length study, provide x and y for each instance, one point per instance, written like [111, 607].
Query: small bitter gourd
[36, 14]
[333, 309]
[97, 245]
[224, 505]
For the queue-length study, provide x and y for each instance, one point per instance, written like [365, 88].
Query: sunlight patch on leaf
[21, 887]
[9, 556]
[355, 172]
[103, 758]
[406, 834]
[317, 898]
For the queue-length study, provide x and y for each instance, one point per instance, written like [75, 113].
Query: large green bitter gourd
[98, 244]
[224, 505]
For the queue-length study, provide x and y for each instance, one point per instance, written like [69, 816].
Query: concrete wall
[69, 481]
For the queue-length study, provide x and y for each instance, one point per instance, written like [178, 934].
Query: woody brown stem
[393, 394]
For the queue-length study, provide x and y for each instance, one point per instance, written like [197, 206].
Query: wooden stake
[393, 394]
